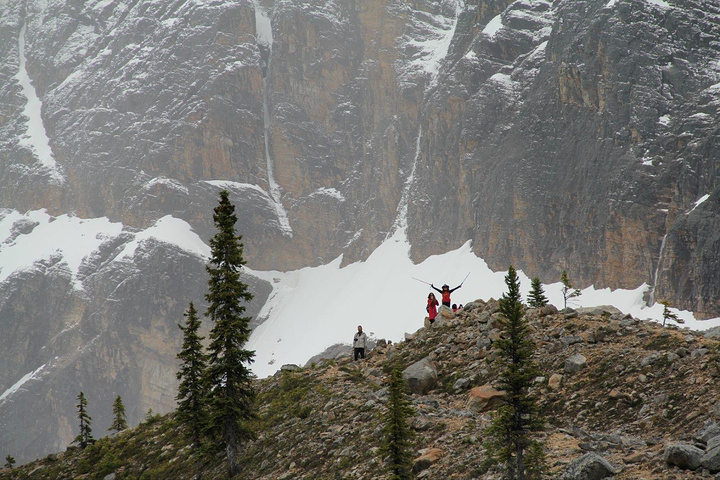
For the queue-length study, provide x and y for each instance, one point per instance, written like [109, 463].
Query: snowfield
[313, 308]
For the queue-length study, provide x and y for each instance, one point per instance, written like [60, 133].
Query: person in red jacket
[431, 308]
[445, 292]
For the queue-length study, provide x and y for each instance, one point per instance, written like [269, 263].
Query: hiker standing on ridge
[431, 308]
[359, 343]
[445, 292]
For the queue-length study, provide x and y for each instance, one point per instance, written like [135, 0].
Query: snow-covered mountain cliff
[566, 134]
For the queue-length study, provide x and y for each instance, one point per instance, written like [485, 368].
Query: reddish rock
[428, 458]
[485, 398]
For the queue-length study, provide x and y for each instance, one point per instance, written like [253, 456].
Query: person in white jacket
[359, 343]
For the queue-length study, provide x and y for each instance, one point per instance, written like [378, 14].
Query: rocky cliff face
[576, 135]
[582, 124]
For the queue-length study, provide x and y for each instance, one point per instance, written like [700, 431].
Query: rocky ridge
[619, 394]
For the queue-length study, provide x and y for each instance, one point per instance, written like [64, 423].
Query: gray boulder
[421, 376]
[590, 466]
[713, 443]
[575, 363]
[599, 311]
[683, 456]
[711, 459]
[707, 432]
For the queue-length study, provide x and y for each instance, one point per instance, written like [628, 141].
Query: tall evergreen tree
[231, 394]
[85, 437]
[536, 297]
[192, 393]
[119, 422]
[568, 291]
[510, 445]
[397, 435]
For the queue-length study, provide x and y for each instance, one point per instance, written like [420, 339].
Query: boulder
[439, 322]
[428, 457]
[711, 459]
[707, 432]
[474, 305]
[713, 443]
[548, 310]
[683, 456]
[421, 376]
[699, 352]
[590, 466]
[462, 383]
[650, 359]
[555, 381]
[575, 363]
[445, 312]
[599, 311]
[484, 398]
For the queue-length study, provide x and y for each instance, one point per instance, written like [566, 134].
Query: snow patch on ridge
[493, 26]
[36, 236]
[280, 214]
[329, 192]
[35, 137]
[659, 3]
[172, 231]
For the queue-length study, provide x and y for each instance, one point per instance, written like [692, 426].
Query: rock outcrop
[334, 410]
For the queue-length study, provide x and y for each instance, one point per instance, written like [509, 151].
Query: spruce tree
[568, 291]
[191, 391]
[536, 297]
[668, 315]
[119, 422]
[9, 462]
[231, 394]
[85, 437]
[397, 435]
[510, 445]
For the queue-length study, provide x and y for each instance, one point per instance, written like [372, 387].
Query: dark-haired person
[445, 292]
[431, 308]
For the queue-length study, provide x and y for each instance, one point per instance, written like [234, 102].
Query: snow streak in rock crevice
[30, 376]
[263, 27]
[35, 137]
[433, 50]
[651, 300]
[401, 221]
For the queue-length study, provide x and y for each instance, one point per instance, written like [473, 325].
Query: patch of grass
[661, 343]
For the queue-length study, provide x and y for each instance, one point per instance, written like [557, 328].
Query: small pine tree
[85, 437]
[231, 395]
[568, 291]
[191, 391]
[119, 421]
[668, 315]
[9, 462]
[397, 435]
[510, 445]
[536, 297]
